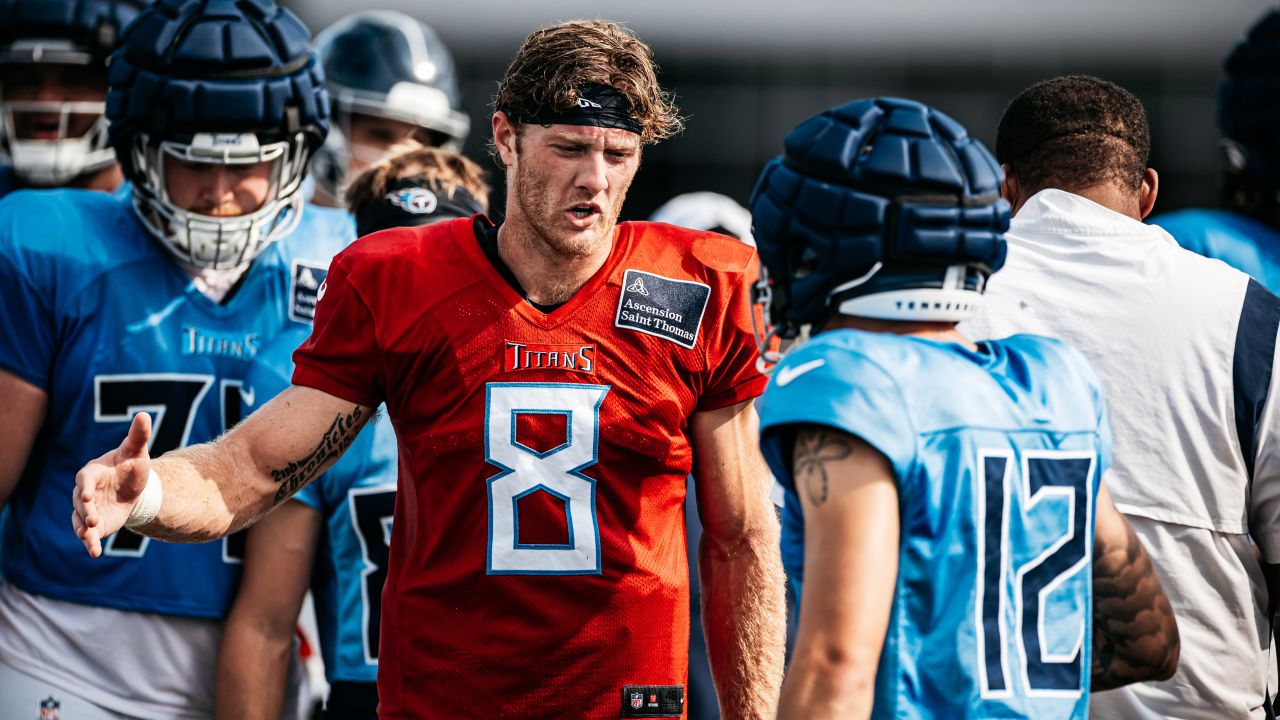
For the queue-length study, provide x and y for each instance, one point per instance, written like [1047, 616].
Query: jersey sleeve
[342, 357]
[792, 542]
[839, 388]
[309, 495]
[28, 324]
[731, 355]
[27, 339]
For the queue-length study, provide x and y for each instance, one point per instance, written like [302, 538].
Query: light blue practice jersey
[357, 498]
[98, 315]
[1241, 242]
[998, 455]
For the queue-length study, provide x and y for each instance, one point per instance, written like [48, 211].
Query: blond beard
[551, 247]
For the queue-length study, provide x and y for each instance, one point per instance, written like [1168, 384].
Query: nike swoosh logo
[247, 396]
[791, 372]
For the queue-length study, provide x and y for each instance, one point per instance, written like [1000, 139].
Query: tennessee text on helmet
[1249, 101]
[386, 64]
[224, 82]
[881, 208]
[57, 32]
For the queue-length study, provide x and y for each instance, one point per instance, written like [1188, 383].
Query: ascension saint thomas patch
[662, 307]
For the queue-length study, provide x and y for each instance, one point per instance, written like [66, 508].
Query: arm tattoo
[341, 433]
[815, 447]
[1135, 635]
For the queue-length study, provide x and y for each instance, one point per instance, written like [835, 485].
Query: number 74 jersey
[998, 455]
[100, 317]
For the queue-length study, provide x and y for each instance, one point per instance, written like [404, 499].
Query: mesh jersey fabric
[100, 317]
[538, 558]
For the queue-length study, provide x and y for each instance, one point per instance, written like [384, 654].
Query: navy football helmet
[880, 208]
[388, 65]
[57, 32]
[228, 82]
[1249, 101]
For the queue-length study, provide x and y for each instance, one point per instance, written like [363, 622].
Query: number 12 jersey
[998, 455]
[538, 564]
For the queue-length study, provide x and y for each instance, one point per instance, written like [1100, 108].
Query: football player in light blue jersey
[158, 299]
[340, 524]
[53, 83]
[961, 558]
[1245, 233]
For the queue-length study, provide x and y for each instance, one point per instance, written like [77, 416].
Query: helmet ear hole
[804, 262]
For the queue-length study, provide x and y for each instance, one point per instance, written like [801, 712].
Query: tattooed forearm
[1135, 635]
[336, 440]
[816, 447]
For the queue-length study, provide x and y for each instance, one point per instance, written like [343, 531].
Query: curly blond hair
[554, 62]
[412, 159]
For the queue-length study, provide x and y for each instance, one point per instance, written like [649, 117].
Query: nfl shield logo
[637, 700]
[49, 709]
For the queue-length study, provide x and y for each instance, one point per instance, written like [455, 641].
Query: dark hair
[554, 62]
[1074, 132]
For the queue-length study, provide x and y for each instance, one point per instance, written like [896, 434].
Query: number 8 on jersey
[557, 471]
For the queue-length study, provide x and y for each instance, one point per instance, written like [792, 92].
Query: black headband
[597, 105]
[414, 201]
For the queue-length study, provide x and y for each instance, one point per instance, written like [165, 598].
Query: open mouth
[584, 211]
[38, 128]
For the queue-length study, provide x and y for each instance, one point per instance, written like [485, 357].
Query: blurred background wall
[745, 73]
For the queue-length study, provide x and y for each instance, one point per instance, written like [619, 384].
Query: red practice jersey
[538, 565]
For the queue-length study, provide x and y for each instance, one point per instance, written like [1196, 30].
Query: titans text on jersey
[544, 457]
[107, 324]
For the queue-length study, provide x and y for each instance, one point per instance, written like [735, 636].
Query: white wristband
[147, 506]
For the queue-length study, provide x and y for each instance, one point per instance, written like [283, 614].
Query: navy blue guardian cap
[228, 82]
[881, 208]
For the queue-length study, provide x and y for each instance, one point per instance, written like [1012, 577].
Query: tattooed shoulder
[816, 448]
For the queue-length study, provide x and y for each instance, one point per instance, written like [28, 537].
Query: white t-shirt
[1184, 347]
[136, 664]
[151, 667]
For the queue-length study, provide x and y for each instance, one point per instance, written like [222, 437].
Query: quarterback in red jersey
[552, 381]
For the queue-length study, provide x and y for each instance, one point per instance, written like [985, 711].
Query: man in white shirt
[1185, 347]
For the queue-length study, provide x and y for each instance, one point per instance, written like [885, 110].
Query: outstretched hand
[107, 488]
